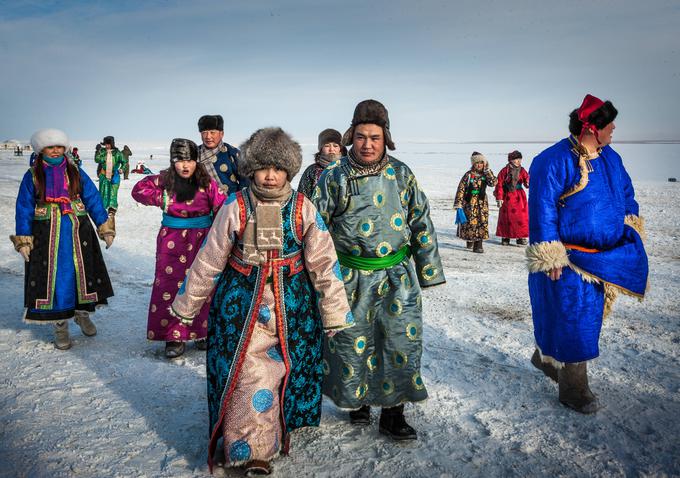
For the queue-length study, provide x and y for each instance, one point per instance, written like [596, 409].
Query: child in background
[272, 263]
[189, 198]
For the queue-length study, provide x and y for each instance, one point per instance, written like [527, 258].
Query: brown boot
[478, 247]
[87, 327]
[469, 244]
[574, 390]
[257, 468]
[505, 241]
[62, 339]
[547, 368]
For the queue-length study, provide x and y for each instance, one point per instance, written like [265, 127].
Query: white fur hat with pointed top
[48, 137]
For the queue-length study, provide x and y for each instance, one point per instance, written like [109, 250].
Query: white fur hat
[48, 137]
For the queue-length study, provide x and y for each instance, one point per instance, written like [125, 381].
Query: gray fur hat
[269, 147]
[373, 112]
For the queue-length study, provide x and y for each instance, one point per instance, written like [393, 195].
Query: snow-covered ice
[114, 406]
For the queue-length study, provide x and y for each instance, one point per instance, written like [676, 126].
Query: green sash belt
[374, 263]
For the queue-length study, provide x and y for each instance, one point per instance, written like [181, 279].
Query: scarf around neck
[367, 168]
[513, 177]
[56, 184]
[264, 230]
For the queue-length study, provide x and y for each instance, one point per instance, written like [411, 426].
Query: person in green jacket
[111, 163]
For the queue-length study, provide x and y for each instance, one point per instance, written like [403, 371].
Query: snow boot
[393, 424]
[574, 390]
[361, 416]
[201, 344]
[174, 349]
[547, 368]
[522, 241]
[62, 340]
[478, 247]
[469, 244]
[257, 468]
[505, 241]
[86, 326]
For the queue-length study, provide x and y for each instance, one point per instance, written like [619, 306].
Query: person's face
[369, 142]
[53, 151]
[605, 134]
[185, 169]
[330, 149]
[270, 178]
[516, 162]
[479, 166]
[211, 138]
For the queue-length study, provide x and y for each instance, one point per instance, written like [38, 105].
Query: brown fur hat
[373, 112]
[330, 135]
[269, 147]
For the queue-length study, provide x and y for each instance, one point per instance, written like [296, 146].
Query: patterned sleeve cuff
[21, 241]
[338, 321]
[547, 255]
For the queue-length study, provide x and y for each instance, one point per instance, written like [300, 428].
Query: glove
[108, 240]
[25, 252]
[499, 203]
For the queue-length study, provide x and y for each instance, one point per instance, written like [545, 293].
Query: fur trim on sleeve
[637, 223]
[547, 255]
[21, 241]
[107, 228]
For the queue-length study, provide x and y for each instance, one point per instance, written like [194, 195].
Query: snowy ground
[114, 406]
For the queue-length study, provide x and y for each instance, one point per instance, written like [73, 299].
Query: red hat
[590, 105]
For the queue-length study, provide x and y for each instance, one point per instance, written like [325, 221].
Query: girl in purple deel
[189, 199]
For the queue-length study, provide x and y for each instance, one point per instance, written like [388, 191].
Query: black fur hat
[373, 112]
[183, 150]
[109, 140]
[269, 147]
[210, 122]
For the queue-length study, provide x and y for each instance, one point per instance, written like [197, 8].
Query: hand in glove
[499, 203]
[25, 252]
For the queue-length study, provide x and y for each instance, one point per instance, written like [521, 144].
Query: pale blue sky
[446, 70]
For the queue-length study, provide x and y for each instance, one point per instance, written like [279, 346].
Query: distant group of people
[297, 293]
[471, 205]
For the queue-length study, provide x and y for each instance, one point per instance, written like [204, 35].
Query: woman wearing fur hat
[585, 247]
[471, 196]
[65, 271]
[189, 199]
[110, 165]
[271, 261]
[513, 214]
[330, 149]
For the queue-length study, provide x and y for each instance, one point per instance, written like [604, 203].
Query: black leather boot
[361, 416]
[393, 424]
